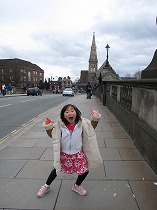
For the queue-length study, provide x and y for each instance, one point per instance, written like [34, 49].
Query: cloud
[57, 35]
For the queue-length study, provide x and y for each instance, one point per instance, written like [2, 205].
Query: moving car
[35, 91]
[68, 92]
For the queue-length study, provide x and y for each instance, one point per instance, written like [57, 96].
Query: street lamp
[107, 62]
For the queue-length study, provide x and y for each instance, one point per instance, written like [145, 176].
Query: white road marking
[5, 105]
[27, 100]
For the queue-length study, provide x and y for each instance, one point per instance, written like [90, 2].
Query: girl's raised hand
[94, 113]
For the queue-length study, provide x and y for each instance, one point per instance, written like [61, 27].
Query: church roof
[107, 72]
[106, 68]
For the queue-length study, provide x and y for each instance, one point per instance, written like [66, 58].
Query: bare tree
[137, 74]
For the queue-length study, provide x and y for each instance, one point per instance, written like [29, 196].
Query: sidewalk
[11, 95]
[124, 182]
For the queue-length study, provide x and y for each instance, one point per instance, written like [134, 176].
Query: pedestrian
[89, 90]
[3, 89]
[10, 90]
[75, 146]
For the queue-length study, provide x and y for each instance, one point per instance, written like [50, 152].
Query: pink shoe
[79, 189]
[43, 190]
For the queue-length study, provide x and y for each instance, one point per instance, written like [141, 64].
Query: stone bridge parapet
[134, 104]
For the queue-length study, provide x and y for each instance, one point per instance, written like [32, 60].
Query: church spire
[93, 61]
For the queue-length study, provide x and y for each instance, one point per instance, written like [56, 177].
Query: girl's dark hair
[78, 113]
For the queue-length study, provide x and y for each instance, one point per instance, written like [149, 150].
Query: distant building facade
[20, 73]
[57, 86]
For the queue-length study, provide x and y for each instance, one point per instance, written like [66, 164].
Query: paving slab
[104, 124]
[100, 135]
[24, 142]
[119, 143]
[10, 168]
[48, 154]
[36, 170]
[101, 195]
[37, 135]
[145, 191]
[106, 134]
[37, 128]
[21, 194]
[110, 118]
[130, 154]
[129, 170]
[121, 135]
[98, 128]
[115, 124]
[101, 142]
[110, 154]
[23, 153]
[45, 142]
[112, 129]
[97, 174]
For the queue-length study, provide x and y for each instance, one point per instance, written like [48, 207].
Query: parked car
[68, 92]
[34, 91]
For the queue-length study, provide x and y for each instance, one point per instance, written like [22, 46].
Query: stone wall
[144, 105]
[134, 104]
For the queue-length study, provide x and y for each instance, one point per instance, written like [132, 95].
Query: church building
[90, 74]
[93, 73]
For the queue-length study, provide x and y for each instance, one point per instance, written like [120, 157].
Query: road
[16, 111]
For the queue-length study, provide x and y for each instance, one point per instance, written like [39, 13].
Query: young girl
[74, 145]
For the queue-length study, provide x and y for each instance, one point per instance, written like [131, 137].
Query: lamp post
[107, 62]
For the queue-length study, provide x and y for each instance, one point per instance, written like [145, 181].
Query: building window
[92, 69]
[29, 76]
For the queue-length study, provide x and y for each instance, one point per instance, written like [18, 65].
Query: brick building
[57, 86]
[20, 73]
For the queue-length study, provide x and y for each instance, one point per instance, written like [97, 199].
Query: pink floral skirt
[75, 163]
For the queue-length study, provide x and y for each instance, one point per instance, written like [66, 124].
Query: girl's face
[70, 115]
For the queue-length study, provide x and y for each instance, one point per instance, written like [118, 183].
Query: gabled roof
[107, 72]
[109, 77]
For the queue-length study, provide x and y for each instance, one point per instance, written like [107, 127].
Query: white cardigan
[71, 142]
[89, 143]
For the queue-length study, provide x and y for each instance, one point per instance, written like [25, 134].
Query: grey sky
[57, 34]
